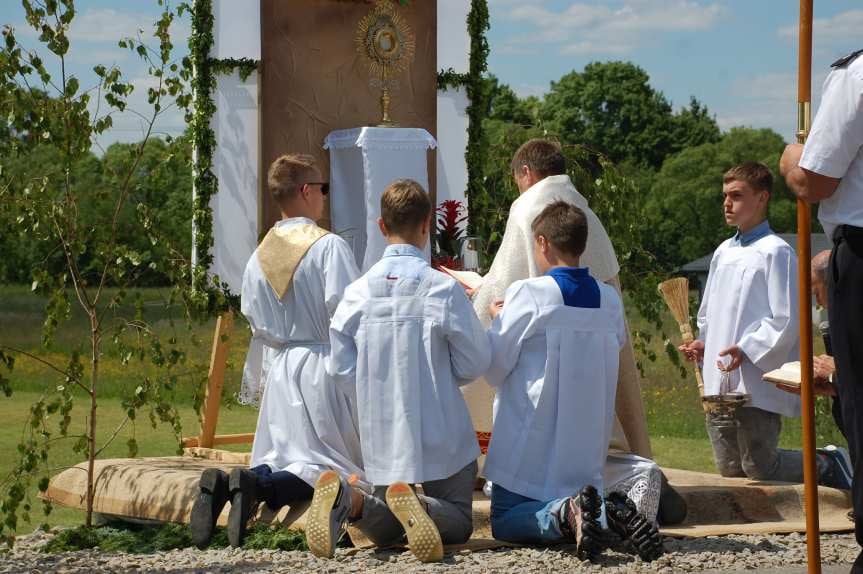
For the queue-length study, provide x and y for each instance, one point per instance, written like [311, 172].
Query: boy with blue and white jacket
[555, 349]
[406, 336]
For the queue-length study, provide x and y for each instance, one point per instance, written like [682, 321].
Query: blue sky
[739, 57]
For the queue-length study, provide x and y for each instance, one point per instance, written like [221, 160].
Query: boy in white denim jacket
[407, 337]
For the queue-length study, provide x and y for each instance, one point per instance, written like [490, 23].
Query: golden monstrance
[387, 44]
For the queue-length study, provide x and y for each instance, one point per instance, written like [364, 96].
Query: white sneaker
[424, 538]
[331, 505]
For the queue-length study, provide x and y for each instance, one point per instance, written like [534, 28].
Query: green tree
[684, 206]
[81, 210]
[610, 107]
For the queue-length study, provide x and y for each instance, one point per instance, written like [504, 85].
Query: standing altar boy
[555, 359]
[291, 287]
[406, 337]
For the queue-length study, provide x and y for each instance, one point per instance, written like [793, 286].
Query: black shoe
[672, 507]
[212, 497]
[594, 539]
[242, 486]
[632, 526]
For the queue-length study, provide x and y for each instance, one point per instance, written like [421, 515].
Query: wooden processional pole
[804, 256]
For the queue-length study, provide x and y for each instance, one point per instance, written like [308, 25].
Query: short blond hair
[288, 173]
[405, 205]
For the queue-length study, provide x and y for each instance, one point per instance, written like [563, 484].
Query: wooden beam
[242, 438]
[216, 378]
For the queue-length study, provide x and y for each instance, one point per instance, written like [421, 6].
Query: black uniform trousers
[846, 333]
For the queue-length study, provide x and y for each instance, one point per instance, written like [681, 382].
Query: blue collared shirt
[578, 288]
[399, 249]
[751, 236]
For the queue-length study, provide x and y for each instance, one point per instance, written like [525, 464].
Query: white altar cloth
[363, 162]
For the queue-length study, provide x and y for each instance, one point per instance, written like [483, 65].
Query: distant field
[674, 416]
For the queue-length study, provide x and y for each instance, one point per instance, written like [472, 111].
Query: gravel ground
[682, 555]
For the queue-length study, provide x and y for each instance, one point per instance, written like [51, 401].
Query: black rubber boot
[242, 487]
[672, 507]
[212, 497]
[624, 518]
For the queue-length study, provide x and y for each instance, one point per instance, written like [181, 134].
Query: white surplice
[555, 369]
[750, 300]
[306, 424]
[406, 336]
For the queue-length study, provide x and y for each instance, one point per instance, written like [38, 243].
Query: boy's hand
[495, 308]
[736, 358]
[694, 351]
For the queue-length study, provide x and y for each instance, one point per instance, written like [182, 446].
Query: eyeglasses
[325, 186]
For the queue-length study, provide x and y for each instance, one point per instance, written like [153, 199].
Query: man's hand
[736, 358]
[694, 351]
[495, 308]
[824, 367]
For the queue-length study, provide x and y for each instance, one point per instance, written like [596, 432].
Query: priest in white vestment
[307, 424]
[539, 169]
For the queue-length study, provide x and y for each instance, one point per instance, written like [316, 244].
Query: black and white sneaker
[580, 521]
[212, 497]
[632, 526]
[328, 513]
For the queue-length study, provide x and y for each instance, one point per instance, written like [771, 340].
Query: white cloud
[837, 28]
[527, 90]
[110, 25]
[612, 28]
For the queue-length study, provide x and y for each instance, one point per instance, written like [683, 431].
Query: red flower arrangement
[449, 235]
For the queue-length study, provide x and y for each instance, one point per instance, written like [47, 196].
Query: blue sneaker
[842, 473]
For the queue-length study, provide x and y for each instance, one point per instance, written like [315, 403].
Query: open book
[788, 374]
[468, 279]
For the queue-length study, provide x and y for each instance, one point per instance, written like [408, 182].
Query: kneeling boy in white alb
[407, 337]
[291, 287]
[555, 350]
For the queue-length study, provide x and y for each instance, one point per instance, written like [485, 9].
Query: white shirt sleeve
[701, 316]
[470, 352]
[342, 366]
[508, 331]
[340, 270]
[837, 132]
[772, 341]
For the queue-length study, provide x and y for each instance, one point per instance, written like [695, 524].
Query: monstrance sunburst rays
[387, 45]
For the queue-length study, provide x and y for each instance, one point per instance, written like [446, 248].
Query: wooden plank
[216, 378]
[241, 438]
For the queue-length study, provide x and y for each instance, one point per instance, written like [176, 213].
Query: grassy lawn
[674, 415]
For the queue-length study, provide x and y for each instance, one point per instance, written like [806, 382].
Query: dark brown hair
[542, 157]
[404, 206]
[564, 226]
[288, 173]
[755, 174]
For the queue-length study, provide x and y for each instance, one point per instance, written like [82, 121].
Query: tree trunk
[95, 337]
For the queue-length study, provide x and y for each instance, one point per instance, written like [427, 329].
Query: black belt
[847, 232]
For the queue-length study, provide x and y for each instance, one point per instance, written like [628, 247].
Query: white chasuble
[555, 370]
[751, 301]
[514, 261]
[306, 423]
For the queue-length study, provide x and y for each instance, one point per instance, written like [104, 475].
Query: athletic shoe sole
[318, 533]
[423, 536]
[590, 546]
[631, 525]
